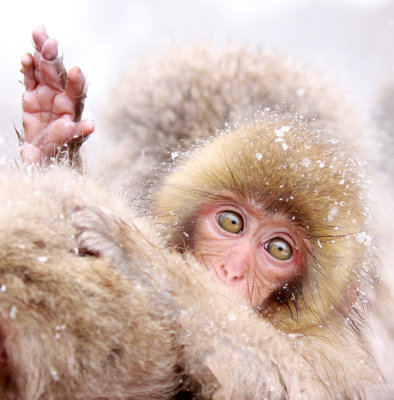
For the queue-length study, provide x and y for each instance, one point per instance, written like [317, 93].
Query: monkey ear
[98, 232]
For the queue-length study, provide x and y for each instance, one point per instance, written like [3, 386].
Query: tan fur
[190, 92]
[91, 308]
[282, 166]
[96, 306]
[193, 92]
[73, 329]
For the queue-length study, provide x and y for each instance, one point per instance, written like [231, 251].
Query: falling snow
[13, 312]
[364, 238]
[54, 374]
[232, 317]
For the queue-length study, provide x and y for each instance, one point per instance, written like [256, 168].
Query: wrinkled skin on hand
[52, 104]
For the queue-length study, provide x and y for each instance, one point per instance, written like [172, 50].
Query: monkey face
[250, 251]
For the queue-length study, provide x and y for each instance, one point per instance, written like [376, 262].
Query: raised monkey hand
[52, 105]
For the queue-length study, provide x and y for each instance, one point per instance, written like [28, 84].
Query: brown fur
[295, 172]
[92, 308]
[73, 329]
[192, 91]
[96, 306]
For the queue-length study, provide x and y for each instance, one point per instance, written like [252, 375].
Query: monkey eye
[230, 221]
[279, 249]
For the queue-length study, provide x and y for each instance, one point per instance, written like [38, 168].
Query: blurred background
[351, 41]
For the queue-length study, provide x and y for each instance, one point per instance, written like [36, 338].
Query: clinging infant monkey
[273, 207]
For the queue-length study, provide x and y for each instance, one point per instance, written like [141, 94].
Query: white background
[350, 40]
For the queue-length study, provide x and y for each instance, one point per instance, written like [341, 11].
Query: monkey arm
[52, 105]
[70, 326]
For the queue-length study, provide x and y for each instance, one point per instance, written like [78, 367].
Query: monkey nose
[233, 272]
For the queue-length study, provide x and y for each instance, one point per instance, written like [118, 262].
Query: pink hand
[52, 104]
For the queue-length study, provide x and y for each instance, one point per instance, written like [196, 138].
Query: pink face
[253, 253]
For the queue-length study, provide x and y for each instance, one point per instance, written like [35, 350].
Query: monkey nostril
[233, 275]
[224, 272]
[223, 269]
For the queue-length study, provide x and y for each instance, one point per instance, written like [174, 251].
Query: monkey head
[277, 212]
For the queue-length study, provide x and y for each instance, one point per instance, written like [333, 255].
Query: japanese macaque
[243, 205]
[94, 306]
[247, 281]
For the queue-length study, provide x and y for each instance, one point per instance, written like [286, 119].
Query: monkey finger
[52, 71]
[28, 72]
[85, 128]
[63, 131]
[49, 68]
[49, 50]
[40, 36]
[76, 90]
[39, 148]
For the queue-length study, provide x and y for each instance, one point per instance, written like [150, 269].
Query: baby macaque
[246, 205]
[94, 306]
[255, 287]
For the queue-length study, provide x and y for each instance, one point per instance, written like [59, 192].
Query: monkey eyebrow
[204, 194]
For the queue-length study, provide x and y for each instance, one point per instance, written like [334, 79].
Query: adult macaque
[274, 208]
